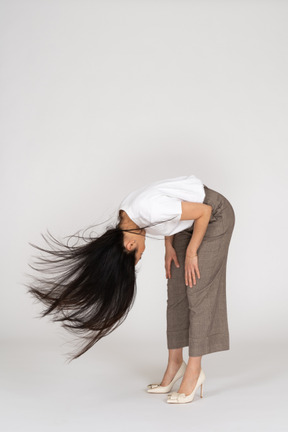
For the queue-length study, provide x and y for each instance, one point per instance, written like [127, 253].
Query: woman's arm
[170, 255]
[200, 227]
[194, 210]
[169, 240]
[201, 214]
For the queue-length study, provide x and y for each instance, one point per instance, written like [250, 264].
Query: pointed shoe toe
[180, 398]
[157, 388]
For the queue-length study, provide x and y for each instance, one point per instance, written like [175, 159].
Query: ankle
[175, 362]
[193, 370]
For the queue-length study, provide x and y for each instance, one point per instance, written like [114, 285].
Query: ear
[130, 245]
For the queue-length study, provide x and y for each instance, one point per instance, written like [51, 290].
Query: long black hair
[89, 288]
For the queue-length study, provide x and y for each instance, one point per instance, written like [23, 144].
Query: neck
[126, 222]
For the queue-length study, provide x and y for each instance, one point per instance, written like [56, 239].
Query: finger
[194, 277]
[190, 279]
[169, 269]
[176, 262]
[198, 272]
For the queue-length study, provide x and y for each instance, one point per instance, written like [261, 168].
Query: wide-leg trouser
[197, 316]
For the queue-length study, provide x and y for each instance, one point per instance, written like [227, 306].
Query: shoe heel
[201, 393]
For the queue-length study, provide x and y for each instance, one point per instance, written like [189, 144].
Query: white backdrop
[101, 97]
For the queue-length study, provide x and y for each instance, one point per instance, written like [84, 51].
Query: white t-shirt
[161, 201]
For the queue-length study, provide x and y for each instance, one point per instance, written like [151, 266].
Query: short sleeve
[157, 207]
[165, 208]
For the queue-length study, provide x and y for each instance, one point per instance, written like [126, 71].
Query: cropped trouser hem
[178, 338]
[198, 347]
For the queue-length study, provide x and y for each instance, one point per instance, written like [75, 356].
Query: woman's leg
[175, 360]
[191, 375]
[197, 316]
[177, 309]
[208, 331]
[177, 302]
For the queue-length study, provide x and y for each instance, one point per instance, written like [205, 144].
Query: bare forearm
[169, 240]
[199, 230]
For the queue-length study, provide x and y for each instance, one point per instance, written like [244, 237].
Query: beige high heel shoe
[157, 388]
[176, 397]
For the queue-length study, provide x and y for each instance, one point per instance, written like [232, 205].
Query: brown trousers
[197, 316]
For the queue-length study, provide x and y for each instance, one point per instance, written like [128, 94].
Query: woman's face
[135, 240]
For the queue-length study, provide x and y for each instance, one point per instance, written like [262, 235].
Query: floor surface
[104, 390]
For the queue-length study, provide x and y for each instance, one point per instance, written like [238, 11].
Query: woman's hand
[191, 267]
[170, 255]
